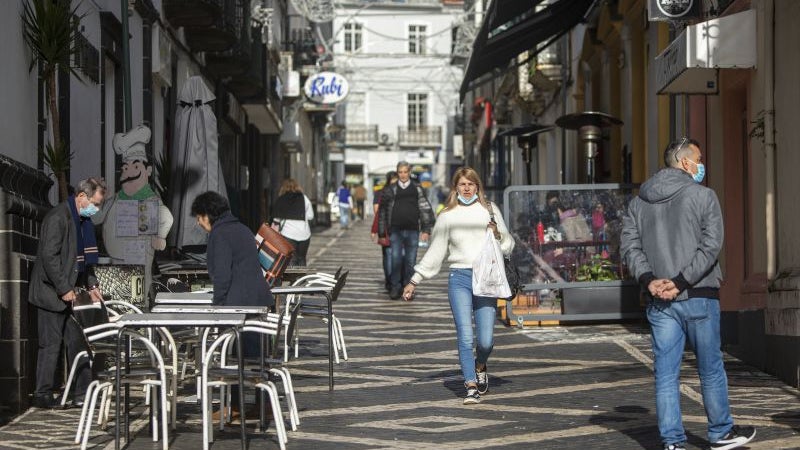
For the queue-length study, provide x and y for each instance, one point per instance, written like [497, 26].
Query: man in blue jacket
[671, 238]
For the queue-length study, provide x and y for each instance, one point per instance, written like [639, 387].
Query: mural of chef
[135, 221]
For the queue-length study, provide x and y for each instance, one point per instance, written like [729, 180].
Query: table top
[209, 309]
[181, 319]
[302, 289]
[184, 298]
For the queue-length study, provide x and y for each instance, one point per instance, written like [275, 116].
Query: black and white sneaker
[483, 381]
[680, 446]
[737, 437]
[472, 397]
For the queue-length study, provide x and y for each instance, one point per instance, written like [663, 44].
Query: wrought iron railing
[361, 134]
[425, 136]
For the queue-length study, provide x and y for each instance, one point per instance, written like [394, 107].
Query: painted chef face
[135, 175]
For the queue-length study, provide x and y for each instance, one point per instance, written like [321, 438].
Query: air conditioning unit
[291, 87]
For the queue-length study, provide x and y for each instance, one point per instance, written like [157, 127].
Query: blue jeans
[672, 323]
[464, 305]
[344, 215]
[404, 255]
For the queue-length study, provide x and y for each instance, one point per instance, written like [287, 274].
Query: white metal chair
[154, 376]
[216, 372]
[336, 281]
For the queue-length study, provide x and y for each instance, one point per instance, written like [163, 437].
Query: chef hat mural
[131, 145]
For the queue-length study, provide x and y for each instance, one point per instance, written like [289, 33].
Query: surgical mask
[90, 210]
[701, 172]
[468, 201]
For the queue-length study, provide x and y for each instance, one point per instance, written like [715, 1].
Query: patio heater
[590, 126]
[526, 139]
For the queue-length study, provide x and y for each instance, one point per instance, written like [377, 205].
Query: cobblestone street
[560, 387]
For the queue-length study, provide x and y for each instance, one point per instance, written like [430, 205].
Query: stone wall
[23, 204]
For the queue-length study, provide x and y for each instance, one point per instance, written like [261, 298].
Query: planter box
[602, 300]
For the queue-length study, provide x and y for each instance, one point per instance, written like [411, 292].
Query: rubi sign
[326, 88]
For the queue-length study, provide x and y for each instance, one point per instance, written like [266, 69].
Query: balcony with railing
[361, 135]
[419, 136]
[192, 13]
[223, 31]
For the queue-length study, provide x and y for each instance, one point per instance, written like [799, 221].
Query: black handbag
[512, 274]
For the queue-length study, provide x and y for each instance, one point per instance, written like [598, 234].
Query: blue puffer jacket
[233, 265]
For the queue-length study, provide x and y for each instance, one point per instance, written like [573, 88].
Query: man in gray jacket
[671, 238]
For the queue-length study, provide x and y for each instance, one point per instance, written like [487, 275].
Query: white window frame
[421, 121]
[417, 39]
[352, 34]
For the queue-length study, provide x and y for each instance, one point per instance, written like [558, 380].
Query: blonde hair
[289, 185]
[470, 174]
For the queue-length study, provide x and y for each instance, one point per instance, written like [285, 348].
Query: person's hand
[158, 243]
[424, 237]
[408, 292]
[96, 294]
[374, 237]
[663, 289]
[493, 226]
[69, 296]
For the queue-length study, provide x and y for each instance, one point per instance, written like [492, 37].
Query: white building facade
[403, 91]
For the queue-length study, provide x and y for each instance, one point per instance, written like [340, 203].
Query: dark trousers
[300, 251]
[251, 348]
[360, 207]
[55, 328]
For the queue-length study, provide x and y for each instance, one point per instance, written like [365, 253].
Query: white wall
[17, 91]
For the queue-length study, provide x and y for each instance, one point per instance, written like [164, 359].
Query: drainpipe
[126, 64]
[769, 136]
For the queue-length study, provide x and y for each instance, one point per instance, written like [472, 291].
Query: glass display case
[568, 253]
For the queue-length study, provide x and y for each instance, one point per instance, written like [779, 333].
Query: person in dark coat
[233, 266]
[64, 264]
[231, 254]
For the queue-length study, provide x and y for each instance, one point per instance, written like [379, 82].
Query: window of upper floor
[353, 37]
[417, 113]
[416, 39]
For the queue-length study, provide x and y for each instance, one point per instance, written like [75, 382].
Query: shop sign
[678, 10]
[326, 88]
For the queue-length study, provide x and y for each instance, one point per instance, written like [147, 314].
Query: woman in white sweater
[459, 231]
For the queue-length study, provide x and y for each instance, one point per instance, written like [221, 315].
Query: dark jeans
[300, 251]
[251, 347]
[360, 207]
[404, 255]
[55, 327]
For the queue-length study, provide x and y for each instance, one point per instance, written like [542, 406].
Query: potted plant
[600, 299]
[50, 30]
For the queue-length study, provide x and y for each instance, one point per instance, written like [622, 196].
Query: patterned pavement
[576, 387]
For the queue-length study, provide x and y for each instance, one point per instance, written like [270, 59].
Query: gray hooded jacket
[673, 229]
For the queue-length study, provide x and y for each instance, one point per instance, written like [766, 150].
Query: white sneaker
[472, 397]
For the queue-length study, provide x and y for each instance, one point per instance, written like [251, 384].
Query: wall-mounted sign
[678, 10]
[326, 88]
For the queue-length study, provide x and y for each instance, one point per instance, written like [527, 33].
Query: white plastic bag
[488, 272]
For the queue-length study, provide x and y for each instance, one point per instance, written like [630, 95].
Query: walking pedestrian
[461, 225]
[291, 214]
[345, 205]
[360, 195]
[383, 240]
[64, 265]
[408, 218]
[671, 238]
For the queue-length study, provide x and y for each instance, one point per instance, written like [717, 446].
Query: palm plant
[50, 30]
[163, 175]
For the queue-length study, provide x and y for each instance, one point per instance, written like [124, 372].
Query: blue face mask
[701, 172]
[468, 201]
[89, 210]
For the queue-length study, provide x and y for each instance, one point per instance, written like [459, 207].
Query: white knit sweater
[460, 233]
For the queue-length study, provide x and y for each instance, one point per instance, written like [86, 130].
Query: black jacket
[426, 216]
[233, 265]
[56, 271]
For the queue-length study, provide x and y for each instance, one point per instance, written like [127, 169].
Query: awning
[512, 27]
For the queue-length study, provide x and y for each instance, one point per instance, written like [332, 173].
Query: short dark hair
[211, 205]
[91, 185]
[678, 149]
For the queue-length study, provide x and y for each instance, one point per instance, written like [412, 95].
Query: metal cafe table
[223, 317]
